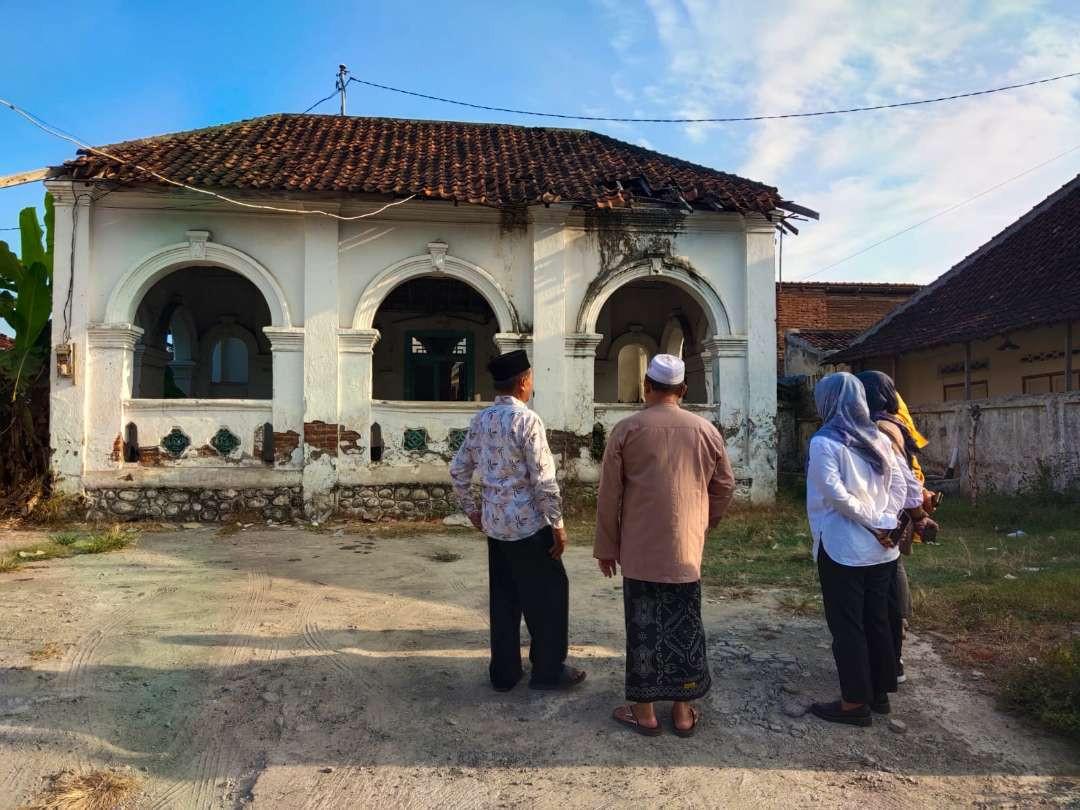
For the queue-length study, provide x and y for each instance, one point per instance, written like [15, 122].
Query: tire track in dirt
[72, 684]
[205, 767]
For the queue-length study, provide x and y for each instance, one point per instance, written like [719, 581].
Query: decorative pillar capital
[511, 341]
[285, 338]
[113, 335]
[725, 346]
[582, 344]
[358, 341]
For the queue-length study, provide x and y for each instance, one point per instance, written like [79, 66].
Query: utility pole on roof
[342, 70]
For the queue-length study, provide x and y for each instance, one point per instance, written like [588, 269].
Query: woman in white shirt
[855, 491]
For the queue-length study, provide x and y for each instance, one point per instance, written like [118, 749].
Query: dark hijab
[884, 404]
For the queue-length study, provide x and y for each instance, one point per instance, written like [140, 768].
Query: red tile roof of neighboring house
[1028, 275]
[828, 340]
[484, 164]
[6, 343]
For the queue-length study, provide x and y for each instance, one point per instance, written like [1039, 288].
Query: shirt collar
[507, 399]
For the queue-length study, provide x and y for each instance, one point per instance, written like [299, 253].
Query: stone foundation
[403, 501]
[371, 503]
[194, 504]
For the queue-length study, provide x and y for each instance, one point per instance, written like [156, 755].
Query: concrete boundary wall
[1002, 444]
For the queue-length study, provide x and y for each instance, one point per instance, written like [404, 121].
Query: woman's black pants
[524, 580]
[857, 609]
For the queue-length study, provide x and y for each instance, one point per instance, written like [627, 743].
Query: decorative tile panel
[176, 442]
[415, 440]
[456, 437]
[225, 441]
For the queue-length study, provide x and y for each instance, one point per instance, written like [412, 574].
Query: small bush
[1048, 689]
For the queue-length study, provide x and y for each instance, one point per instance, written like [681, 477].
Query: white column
[761, 358]
[287, 350]
[725, 377]
[68, 395]
[356, 349]
[549, 324]
[580, 349]
[111, 360]
[321, 322]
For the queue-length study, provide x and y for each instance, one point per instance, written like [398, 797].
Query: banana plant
[26, 299]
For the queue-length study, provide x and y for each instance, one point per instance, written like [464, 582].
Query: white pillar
[356, 349]
[549, 324]
[725, 377]
[761, 357]
[111, 360]
[287, 351]
[321, 322]
[68, 395]
[579, 397]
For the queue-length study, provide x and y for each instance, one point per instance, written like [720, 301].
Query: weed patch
[69, 544]
[97, 790]
[1048, 689]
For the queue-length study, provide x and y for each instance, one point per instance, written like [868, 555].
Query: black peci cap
[509, 365]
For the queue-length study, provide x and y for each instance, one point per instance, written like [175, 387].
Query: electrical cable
[941, 213]
[320, 101]
[186, 186]
[728, 120]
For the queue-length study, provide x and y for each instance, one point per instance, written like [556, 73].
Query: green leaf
[50, 235]
[31, 237]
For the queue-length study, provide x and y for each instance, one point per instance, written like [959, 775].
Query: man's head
[512, 375]
[665, 379]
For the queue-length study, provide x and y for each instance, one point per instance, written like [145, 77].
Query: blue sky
[109, 71]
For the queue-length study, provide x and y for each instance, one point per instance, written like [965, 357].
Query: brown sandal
[629, 719]
[686, 732]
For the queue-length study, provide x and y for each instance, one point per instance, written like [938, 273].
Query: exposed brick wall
[350, 442]
[322, 436]
[833, 306]
[284, 445]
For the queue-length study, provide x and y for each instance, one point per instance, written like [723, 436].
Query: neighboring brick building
[838, 311]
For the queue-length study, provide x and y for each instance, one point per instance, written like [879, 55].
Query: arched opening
[641, 319]
[203, 338]
[436, 337]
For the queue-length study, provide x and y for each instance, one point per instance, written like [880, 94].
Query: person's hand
[559, 546]
[608, 568]
[928, 502]
[474, 518]
[882, 536]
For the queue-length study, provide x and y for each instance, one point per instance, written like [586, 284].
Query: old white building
[228, 357]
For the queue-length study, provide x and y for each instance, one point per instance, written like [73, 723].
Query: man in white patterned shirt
[522, 516]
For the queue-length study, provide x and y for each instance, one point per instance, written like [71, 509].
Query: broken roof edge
[857, 351]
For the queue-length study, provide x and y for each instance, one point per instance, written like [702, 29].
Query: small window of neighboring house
[1053, 383]
[439, 366]
[229, 361]
[954, 392]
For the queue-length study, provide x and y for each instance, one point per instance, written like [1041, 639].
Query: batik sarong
[665, 641]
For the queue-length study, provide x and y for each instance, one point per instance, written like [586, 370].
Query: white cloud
[871, 174]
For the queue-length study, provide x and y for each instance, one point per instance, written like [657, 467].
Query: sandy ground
[278, 668]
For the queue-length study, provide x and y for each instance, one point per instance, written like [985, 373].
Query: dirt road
[278, 668]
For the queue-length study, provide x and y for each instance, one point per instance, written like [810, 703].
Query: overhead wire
[723, 120]
[320, 101]
[187, 186]
[941, 213]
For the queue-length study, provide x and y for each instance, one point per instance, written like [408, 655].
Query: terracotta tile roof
[828, 340]
[483, 164]
[6, 343]
[1028, 275]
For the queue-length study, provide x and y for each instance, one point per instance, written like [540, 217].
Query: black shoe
[835, 714]
[880, 704]
[568, 679]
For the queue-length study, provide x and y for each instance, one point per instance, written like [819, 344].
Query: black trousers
[857, 609]
[896, 611]
[524, 579]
